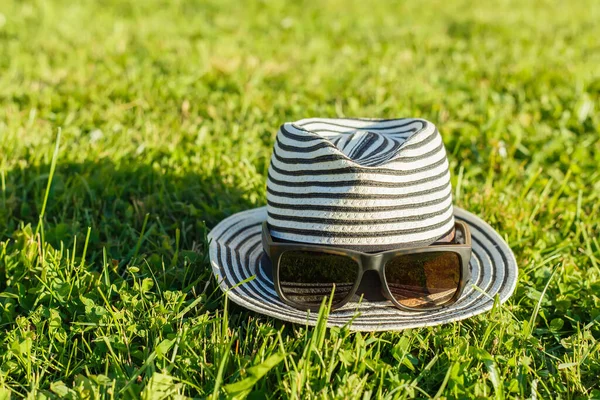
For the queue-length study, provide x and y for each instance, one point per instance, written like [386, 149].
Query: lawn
[129, 129]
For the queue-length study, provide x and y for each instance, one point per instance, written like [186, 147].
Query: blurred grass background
[168, 112]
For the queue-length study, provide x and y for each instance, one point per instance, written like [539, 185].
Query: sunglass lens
[423, 280]
[306, 277]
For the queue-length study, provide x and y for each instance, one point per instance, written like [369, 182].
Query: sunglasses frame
[370, 262]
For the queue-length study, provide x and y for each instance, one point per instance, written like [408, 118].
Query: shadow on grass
[113, 200]
[152, 214]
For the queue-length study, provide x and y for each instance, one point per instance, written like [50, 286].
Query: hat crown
[367, 184]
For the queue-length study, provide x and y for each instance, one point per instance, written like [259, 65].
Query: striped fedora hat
[366, 185]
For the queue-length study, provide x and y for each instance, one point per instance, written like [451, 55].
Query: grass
[168, 111]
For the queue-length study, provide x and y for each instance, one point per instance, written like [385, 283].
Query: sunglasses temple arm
[266, 240]
[466, 233]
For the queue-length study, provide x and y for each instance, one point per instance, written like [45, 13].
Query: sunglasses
[413, 279]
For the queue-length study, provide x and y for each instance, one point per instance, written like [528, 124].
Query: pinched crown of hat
[356, 183]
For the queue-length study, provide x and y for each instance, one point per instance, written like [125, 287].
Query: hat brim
[236, 255]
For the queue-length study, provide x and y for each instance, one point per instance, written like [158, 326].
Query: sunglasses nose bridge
[370, 262]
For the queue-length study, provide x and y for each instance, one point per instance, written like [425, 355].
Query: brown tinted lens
[423, 280]
[306, 277]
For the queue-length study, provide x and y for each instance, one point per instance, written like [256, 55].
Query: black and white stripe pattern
[236, 255]
[369, 184]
